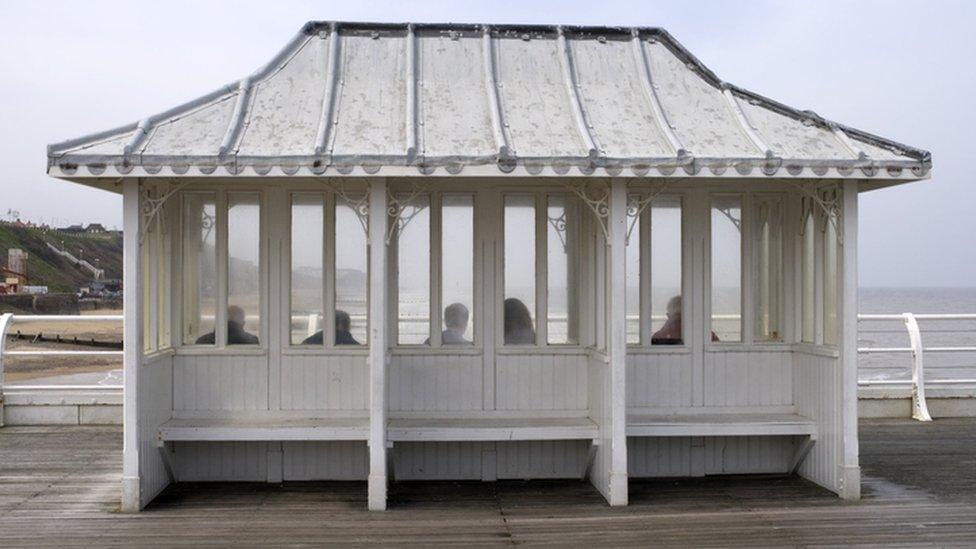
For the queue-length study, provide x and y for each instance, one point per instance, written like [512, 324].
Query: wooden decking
[59, 486]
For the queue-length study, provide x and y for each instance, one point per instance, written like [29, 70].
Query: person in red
[670, 333]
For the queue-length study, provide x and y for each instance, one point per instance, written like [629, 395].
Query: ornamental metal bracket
[559, 224]
[402, 208]
[597, 200]
[636, 204]
[828, 202]
[152, 207]
[357, 200]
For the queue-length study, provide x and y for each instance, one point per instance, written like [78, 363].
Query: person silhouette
[235, 330]
[455, 324]
[518, 323]
[342, 334]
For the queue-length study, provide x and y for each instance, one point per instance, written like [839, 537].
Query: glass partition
[633, 276]
[807, 297]
[413, 273]
[243, 268]
[307, 269]
[768, 266]
[457, 269]
[562, 245]
[830, 281]
[350, 277]
[199, 267]
[665, 255]
[520, 272]
[726, 268]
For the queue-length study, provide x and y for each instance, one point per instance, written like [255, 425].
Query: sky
[901, 69]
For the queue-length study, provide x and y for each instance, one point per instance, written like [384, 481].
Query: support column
[377, 344]
[850, 470]
[617, 345]
[132, 336]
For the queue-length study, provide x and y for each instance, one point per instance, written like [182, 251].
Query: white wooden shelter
[685, 251]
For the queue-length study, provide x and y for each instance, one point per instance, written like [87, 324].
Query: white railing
[920, 410]
[7, 320]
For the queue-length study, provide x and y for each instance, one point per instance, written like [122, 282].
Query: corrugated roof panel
[453, 98]
[199, 130]
[614, 100]
[535, 103]
[283, 117]
[791, 138]
[701, 117]
[370, 107]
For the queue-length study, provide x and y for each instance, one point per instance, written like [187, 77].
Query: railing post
[6, 320]
[920, 409]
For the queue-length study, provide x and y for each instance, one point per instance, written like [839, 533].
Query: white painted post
[132, 336]
[377, 483]
[617, 346]
[850, 466]
[920, 409]
[5, 321]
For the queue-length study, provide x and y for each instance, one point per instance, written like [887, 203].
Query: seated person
[235, 330]
[670, 333]
[456, 322]
[518, 323]
[342, 334]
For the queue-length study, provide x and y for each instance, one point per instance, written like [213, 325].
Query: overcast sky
[904, 70]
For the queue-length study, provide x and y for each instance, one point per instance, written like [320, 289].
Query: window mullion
[644, 280]
[220, 315]
[329, 271]
[435, 290]
[542, 269]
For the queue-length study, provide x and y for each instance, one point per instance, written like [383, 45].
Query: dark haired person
[342, 334]
[518, 323]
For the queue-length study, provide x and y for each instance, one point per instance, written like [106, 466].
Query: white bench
[490, 429]
[261, 429]
[727, 425]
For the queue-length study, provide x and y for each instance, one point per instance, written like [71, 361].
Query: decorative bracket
[559, 223]
[152, 207]
[597, 200]
[357, 200]
[636, 204]
[829, 204]
[397, 207]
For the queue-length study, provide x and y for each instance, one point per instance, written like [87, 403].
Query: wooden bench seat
[719, 425]
[261, 429]
[728, 425]
[490, 429]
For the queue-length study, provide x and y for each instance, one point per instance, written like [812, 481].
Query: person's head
[342, 321]
[456, 317]
[517, 316]
[235, 314]
[674, 306]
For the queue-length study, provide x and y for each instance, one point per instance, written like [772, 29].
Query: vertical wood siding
[347, 460]
[489, 460]
[817, 397]
[221, 461]
[541, 382]
[656, 380]
[220, 383]
[748, 378]
[155, 408]
[339, 382]
[435, 383]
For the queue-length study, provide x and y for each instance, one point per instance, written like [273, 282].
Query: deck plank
[59, 487]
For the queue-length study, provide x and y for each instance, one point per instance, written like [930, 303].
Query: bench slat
[237, 430]
[706, 425]
[490, 429]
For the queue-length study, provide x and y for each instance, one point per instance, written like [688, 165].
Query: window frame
[754, 228]
[745, 259]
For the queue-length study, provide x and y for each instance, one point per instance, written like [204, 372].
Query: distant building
[95, 228]
[73, 229]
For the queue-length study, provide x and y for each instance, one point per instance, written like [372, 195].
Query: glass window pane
[726, 247]
[809, 236]
[561, 250]
[413, 273]
[145, 252]
[769, 268]
[457, 269]
[350, 277]
[666, 327]
[199, 268]
[633, 277]
[163, 259]
[519, 306]
[243, 268]
[830, 283]
[307, 230]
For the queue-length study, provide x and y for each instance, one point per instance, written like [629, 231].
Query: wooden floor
[59, 486]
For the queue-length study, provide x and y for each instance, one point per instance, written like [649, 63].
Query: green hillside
[46, 268]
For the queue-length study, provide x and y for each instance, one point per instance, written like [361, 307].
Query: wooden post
[850, 471]
[377, 344]
[617, 346]
[132, 336]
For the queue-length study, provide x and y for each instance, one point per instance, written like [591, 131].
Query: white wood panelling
[659, 457]
[659, 380]
[220, 382]
[326, 382]
[325, 460]
[817, 380]
[490, 460]
[743, 455]
[435, 382]
[541, 382]
[222, 461]
[761, 378]
[155, 408]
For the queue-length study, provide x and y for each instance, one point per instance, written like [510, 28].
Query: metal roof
[351, 98]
